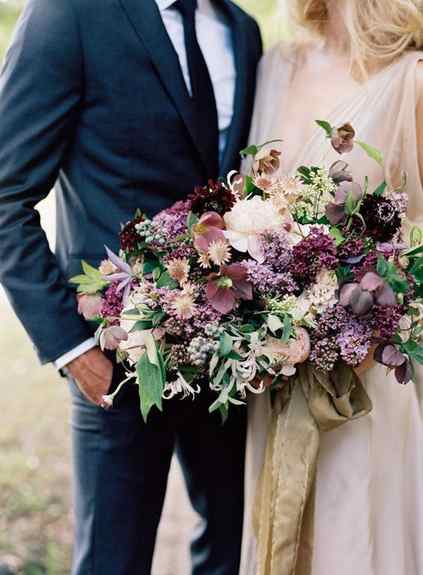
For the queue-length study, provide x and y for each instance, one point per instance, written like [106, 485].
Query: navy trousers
[121, 468]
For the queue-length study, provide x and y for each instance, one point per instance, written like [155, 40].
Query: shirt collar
[164, 4]
[203, 5]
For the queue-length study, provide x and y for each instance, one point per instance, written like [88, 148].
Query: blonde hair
[378, 30]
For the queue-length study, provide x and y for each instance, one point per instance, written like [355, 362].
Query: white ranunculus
[247, 220]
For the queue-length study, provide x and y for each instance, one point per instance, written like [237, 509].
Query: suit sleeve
[40, 94]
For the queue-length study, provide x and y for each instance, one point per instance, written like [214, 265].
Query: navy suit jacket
[92, 98]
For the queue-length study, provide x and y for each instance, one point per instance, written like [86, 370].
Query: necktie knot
[186, 7]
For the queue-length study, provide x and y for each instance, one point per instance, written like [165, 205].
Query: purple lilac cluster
[367, 265]
[172, 222]
[314, 253]
[269, 282]
[386, 320]
[277, 252]
[352, 248]
[338, 336]
[112, 305]
[354, 342]
[181, 251]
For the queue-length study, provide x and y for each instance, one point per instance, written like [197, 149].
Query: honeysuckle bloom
[208, 229]
[247, 221]
[180, 386]
[226, 288]
[90, 306]
[112, 337]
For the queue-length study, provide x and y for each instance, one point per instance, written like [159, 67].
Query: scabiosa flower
[215, 197]
[129, 237]
[219, 252]
[313, 254]
[355, 342]
[178, 270]
[324, 353]
[381, 217]
[112, 302]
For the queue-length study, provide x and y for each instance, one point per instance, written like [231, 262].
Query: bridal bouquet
[250, 277]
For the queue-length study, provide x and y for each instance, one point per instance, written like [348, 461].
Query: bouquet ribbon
[284, 508]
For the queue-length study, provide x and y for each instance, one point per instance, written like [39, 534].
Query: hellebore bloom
[112, 337]
[343, 139]
[345, 193]
[267, 162]
[209, 229]
[224, 289]
[390, 356]
[90, 306]
[339, 172]
[361, 297]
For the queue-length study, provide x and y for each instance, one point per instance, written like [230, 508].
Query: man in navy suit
[123, 104]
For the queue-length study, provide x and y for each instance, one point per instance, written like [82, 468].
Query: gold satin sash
[284, 507]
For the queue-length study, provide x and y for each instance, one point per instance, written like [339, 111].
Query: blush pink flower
[229, 286]
[209, 229]
[90, 306]
[112, 337]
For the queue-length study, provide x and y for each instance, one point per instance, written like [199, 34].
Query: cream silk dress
[369, 487]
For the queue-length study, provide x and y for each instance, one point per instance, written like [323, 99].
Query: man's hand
[93, 373]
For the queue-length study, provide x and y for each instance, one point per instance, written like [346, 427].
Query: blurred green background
[35, 518]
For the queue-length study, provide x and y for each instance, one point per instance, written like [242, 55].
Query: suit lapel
[243, 77]
[147, 22]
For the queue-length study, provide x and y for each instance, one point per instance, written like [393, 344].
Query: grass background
[35, 518]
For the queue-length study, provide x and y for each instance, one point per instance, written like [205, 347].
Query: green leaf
[225, 344]
[372, 152]
[380, 190]
[234, 355]
[250, 188]
[165, 280]
[274, 323]
[250, 151]
[287, 329]
[413, 350]
[417, 270]
[192, 220]
[151, 380]
[150, 265]
[157, 318]
[141, 325]
[382, 266]
[350, 204]
[337, 235]
[326, 127]
[414, 252]
[344, 275]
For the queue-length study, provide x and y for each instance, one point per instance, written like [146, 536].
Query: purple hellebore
[361, 297]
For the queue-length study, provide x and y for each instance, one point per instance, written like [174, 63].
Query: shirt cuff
[80, 349]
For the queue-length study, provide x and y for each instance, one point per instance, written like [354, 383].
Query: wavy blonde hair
[378, 30]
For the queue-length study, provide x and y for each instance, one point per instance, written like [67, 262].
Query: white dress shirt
[215, 39]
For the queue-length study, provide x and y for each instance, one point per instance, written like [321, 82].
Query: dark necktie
[203, 98]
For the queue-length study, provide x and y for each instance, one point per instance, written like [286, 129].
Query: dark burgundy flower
[314, 253]
[129, 237]
[215, 197]
[381, 217]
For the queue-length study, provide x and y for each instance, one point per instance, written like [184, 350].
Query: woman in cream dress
[365, 67]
